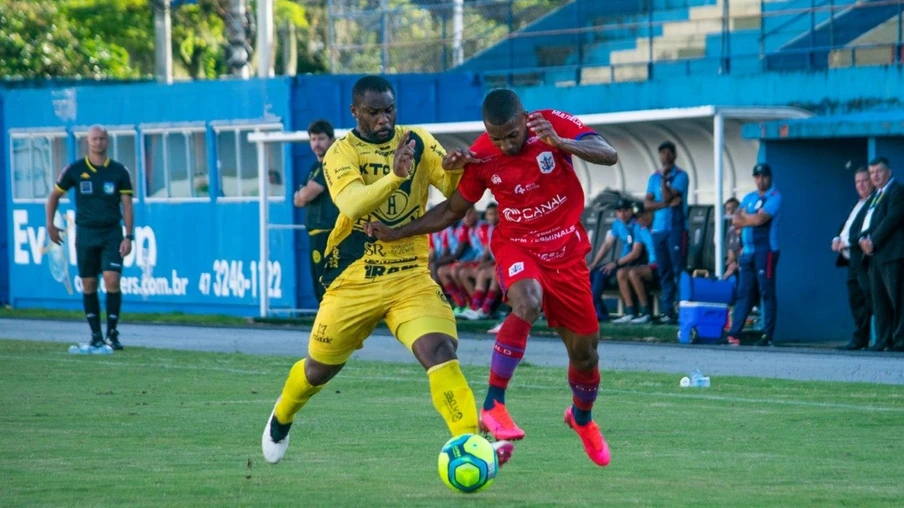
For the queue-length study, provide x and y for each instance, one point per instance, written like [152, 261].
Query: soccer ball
[468, 463]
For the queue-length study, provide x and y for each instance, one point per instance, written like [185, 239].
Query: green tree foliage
[102, 39]
[39, 40]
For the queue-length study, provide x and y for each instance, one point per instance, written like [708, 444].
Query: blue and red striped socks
[584, 386]
[511, 341]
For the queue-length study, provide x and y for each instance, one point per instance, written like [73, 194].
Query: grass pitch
[149, 428]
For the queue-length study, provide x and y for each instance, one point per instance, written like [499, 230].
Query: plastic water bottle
[698, 380]
[695, 380]
[107, 350]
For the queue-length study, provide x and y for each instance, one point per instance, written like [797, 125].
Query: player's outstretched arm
[436, 219]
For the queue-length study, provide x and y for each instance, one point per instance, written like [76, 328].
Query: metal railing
[645, 44]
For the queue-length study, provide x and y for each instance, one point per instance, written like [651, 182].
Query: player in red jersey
[525, 159]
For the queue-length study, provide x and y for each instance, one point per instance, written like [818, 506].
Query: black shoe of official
[665, 319]
[764, 342]
[113, 340]
[877, 347]
[97, 340]
[851, 346]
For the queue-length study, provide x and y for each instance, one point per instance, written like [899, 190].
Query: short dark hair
[669, 145]
[880, 161]
[376, 84]
[862, 169]
[321, 126]
[732, 200]
[500, 106]
[492, 205]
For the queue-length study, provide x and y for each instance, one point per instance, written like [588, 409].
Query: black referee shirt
[98, 191]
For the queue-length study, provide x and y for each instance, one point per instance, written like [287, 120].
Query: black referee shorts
[97, 250]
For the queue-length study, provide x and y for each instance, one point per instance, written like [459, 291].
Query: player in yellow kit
[380, 171]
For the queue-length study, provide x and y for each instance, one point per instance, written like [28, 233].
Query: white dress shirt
[846, 231]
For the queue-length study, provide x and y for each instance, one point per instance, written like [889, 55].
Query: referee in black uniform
[101, 185]
[320, 211]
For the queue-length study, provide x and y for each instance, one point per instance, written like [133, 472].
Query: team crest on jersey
[546, 162]
[496, 179]
[109, 188]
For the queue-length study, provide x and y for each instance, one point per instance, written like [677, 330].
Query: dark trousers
[756, 270]
[671, 256]
[598, 282]
[860, 307]
[887, 284]
[318, 261]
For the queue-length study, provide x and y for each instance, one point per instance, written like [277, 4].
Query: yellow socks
[452, 397]
[295, 393]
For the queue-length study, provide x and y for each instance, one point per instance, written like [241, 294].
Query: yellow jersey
[351, 255]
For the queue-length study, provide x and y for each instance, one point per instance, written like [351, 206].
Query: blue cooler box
[705, 289]
[701, 322]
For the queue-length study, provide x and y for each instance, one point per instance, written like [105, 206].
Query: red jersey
[540, 197]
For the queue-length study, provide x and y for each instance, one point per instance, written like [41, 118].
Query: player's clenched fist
[380, 231]
[404, 155]
[543, 129]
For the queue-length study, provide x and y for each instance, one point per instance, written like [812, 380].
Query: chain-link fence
[398, 36]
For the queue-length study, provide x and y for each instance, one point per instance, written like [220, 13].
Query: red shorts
[567, 299]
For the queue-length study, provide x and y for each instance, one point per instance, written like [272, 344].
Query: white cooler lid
[702, 304]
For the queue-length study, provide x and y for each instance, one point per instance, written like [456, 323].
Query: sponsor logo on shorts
[553, 256]
[374, 271]
[442, 296]
[533, 213]
[320, 335]
[516, 268]
[115, 265]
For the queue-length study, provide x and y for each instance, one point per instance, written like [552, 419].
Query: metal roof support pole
[718, 170]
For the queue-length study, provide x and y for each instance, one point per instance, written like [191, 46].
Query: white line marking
[408, 379]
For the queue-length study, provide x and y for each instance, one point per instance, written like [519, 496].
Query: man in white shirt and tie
[850, 255]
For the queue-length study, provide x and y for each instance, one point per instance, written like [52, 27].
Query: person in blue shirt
[758, 218]
[621, 231]
[667, 197]
[640, 271]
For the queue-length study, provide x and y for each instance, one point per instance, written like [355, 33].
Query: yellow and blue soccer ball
[468, 463]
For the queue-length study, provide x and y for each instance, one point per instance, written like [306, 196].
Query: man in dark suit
[849, 255]
[882, 240]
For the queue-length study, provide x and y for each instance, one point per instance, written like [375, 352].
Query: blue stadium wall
[200, 254]
[215, 240]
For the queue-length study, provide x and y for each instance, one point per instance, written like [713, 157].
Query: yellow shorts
[412, 305]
